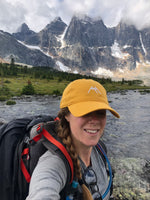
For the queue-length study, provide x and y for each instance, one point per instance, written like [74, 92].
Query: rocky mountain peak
[127, 35]
[23, 33]
[85, 18]
[87, 32]
[57, 26]
[57, 19]
[23, 28]
[85, 45]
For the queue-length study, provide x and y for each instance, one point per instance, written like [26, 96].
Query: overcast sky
[38, 13]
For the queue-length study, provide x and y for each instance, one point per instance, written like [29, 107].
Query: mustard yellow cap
[83, 96]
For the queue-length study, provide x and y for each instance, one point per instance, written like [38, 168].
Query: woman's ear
[67, 118]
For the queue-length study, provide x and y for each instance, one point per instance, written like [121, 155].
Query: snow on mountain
[29, 46]
[103, 72]
[63, 43]
[116, 51]
[60, 38]
[142, 44]
[62, 67]
[75, 72]
[34, 47]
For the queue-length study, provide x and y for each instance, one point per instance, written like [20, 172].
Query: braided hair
[64, 134]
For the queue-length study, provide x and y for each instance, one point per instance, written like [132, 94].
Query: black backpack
[20, 151]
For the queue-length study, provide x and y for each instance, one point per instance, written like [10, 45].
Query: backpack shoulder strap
[102, 152]
[103, 147]
[50, 141]
[101, 143]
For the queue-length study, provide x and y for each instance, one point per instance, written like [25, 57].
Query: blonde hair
[64, 135]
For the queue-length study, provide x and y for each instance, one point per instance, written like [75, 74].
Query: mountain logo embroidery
[95, 89]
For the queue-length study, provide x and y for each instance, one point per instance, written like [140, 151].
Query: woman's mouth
[92, 131]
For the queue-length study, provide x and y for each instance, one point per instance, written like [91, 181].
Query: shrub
[10, 102]
[3, 98]
[4, 90]
[56, 92]
[7, 81]
[28, 89]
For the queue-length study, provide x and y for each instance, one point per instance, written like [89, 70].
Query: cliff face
[84, 45]
[88, 32]
[11, 48]
[89, 44]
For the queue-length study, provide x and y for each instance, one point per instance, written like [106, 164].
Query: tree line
[13, 70]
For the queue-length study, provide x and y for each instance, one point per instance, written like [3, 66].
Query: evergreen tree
[28, 89]
[13, 68]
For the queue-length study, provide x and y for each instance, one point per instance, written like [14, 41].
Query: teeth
[91, 131]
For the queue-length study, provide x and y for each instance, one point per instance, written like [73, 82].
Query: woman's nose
[93, 116]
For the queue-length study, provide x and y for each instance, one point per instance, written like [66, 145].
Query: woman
[82, 119]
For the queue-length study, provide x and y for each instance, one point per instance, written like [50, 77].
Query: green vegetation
[10, 102]
[4, 92]
[16, 80]
[28, 89]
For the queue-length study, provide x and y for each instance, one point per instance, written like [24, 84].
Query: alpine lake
[127, 139]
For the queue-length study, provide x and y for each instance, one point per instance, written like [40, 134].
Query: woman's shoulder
[49, 177]
[50, 166]
[51, 157]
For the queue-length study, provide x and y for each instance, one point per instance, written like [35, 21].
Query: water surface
[128, 136]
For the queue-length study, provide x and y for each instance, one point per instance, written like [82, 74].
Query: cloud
[38, 13]
[138, 13]
[10, 15]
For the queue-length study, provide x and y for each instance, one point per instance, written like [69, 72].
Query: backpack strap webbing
[25, 152]
[101, 150]
[23, 167]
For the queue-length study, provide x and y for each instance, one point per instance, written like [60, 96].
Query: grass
[117, 86]
[42, 86]
[49, 87]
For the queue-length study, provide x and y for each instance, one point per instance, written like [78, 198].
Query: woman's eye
[101, 113]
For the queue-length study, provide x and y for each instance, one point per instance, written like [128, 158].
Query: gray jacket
[50, 175]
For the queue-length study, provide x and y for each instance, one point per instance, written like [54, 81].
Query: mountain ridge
[84, 45]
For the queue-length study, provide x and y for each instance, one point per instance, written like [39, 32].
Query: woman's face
[87, 130]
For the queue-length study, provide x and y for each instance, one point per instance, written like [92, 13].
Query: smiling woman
[82, 119]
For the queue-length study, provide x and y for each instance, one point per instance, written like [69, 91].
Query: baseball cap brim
[83, 108]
